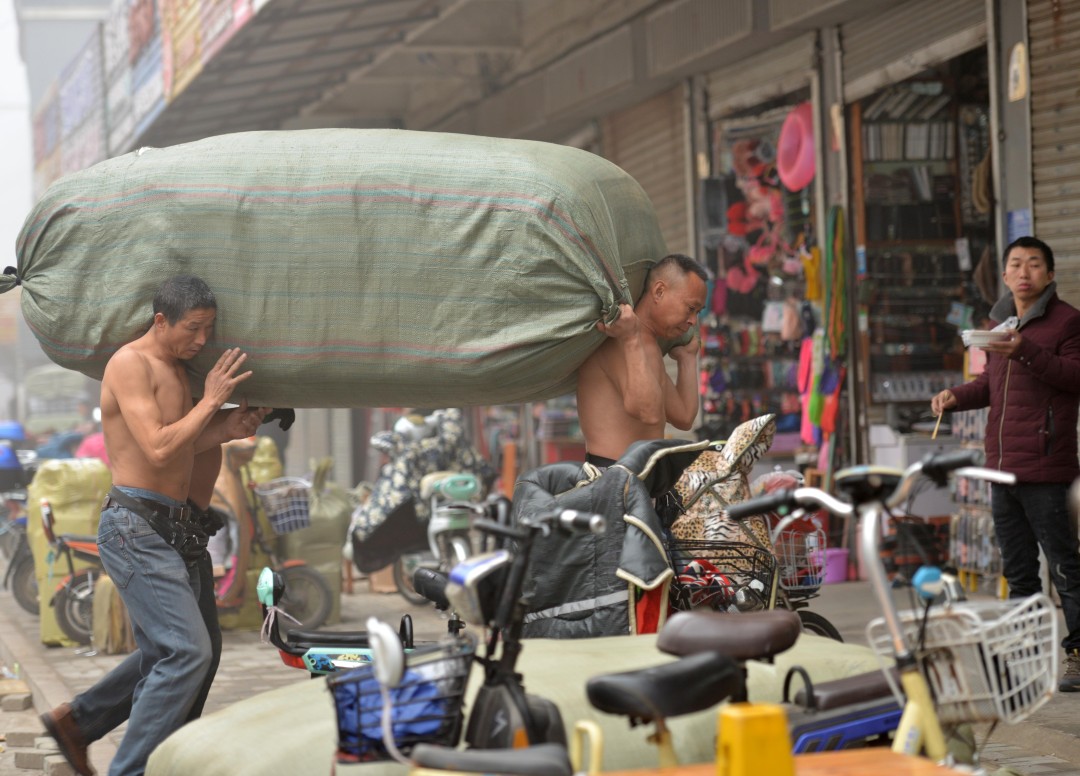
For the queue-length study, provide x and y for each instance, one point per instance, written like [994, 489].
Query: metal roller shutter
[888, 47]
[651, 142]
[1054, 36]
[760, 78]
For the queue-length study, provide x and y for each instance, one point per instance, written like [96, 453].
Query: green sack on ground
[321, 543]
[357, 268]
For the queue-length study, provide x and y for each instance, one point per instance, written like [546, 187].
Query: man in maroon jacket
[1032, 386]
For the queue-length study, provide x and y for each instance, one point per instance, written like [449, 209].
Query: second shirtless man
[624, 393]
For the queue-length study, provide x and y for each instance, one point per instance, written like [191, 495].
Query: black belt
[140, 505]
[173, 524]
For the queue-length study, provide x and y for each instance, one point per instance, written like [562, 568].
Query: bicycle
[957, 663]
[237, 499]
[73, 597]
[750, 576]
[1016, 671]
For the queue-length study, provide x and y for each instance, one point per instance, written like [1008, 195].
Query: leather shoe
[60, 724]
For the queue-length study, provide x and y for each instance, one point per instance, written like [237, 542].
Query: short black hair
[685, 264]
[1030, 242]
[182, 293]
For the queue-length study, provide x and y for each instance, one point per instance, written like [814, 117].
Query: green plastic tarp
[355, 267]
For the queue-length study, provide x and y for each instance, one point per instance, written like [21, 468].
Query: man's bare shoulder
[127, 363]
[598, 361]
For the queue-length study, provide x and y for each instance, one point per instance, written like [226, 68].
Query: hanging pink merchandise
[795, 148]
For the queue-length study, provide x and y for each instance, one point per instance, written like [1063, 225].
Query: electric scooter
[73, 597]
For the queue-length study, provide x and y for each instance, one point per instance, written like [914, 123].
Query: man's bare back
[624, 392]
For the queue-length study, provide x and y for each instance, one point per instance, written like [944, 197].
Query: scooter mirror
[474, 586]
[387, 654]
[270, 588]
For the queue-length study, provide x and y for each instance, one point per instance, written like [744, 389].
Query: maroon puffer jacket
[1033, 397]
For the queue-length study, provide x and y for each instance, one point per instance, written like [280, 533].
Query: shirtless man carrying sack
[624, 392]
[150, 543]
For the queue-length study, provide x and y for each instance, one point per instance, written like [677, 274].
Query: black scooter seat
[746, 636]
[536, 760]
[306, 638]
[667, 690]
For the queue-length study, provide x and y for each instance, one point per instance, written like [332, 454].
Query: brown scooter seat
[746, 636]
[859, 688]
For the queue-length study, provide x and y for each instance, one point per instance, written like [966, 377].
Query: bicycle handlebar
[934, 467]
[566, 519]
[870, 504]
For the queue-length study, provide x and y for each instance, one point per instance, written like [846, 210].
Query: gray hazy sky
[16, 151]
[16, 166]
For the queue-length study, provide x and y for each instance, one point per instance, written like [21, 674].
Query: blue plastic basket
[427, 706]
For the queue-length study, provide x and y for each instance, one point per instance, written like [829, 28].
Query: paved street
[1048, 743]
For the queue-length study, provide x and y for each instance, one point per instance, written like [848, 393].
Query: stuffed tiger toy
[726, 472]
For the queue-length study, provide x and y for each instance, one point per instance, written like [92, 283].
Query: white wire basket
[285, 501]
[801, 559]
[985, 661]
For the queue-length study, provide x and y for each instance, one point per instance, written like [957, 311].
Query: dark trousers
[1027, 517]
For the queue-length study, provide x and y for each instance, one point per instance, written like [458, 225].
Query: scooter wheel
[812, 622]
[24, 586]
[74, 605]
[307, 596]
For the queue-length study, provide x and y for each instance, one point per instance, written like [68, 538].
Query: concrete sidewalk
[1047, 743]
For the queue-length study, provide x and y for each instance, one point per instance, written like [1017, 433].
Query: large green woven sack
[356, 267]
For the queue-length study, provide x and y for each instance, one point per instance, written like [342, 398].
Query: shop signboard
[116, 53]
[121, 120]
[86, 145]
[182, 40]
[81, 91]
[46, 125]
[46, 171]
[116, 39]
[149, 78]
[220, 20]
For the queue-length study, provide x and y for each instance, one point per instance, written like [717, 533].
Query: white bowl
[977, 338]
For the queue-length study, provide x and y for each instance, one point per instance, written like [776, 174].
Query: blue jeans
[1035, 515]
[156, 687]
[107, 705]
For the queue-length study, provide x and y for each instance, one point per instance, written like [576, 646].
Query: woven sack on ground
[357, 268]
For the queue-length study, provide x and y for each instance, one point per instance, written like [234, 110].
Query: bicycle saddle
[535, 760]
[746, 636]
[684, 686]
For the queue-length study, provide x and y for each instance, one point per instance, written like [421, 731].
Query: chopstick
[937, 425]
